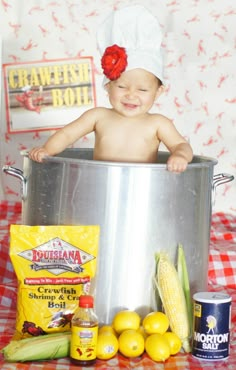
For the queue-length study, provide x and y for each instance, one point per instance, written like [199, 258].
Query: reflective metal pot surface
[141, 209]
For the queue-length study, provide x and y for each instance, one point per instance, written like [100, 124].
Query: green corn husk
[184, 279]
[171, 293]
[44, 347]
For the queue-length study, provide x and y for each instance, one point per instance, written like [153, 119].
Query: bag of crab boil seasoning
[54, 265]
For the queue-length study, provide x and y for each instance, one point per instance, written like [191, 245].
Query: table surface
[222, 278]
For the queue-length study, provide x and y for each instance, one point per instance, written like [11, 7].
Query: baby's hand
[38, 154]
[177, 163]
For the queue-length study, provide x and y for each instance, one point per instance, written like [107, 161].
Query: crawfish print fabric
[199, 68]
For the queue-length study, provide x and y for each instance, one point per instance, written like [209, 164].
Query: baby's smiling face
[134, 92]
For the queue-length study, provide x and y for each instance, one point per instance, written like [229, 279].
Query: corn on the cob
[44, 347]
[173, 299]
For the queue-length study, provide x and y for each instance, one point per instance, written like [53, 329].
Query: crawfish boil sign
[47, 95]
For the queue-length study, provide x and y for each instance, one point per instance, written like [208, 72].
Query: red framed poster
[47, 95]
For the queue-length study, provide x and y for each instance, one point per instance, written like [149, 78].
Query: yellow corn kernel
[173, 299]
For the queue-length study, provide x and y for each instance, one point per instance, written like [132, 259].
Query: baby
[126, 132]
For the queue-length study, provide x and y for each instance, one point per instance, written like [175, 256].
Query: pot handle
[19, 174]
[219, 179]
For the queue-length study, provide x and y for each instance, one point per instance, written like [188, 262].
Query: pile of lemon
[131, 338]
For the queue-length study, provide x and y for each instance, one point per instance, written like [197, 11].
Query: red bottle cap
[86, 301]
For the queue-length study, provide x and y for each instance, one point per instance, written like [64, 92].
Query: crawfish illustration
[32, 329]
[28, 102]
[61, 318]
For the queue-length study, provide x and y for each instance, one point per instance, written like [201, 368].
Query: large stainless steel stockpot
[141, 209]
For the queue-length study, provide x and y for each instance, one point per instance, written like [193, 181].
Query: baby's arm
[180, 156]
[66, 136]
[181, 151]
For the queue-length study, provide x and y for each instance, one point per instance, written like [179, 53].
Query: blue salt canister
[211, 325]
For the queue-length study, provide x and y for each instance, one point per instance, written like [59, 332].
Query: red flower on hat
[114, 61]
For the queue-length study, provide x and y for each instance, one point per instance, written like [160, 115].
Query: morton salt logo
[57, 256]
[211, 340]
[211, 324]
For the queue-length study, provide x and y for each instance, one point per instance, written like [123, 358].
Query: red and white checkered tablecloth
[222, 277]
[222, 256]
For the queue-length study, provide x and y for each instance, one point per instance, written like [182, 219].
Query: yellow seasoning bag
[54, 265]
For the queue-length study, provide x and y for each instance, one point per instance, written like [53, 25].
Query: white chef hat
[132, 36]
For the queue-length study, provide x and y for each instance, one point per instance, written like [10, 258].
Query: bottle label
[83, 343]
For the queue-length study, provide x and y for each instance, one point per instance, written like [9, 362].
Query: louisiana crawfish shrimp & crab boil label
[54, 265]
[211, 325]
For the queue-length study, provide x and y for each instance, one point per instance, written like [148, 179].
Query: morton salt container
[211, 326]
[141, 209]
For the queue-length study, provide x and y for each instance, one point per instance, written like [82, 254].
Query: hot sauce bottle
[84, 333]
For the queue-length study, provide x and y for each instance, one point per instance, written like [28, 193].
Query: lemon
[142, 331]
[106, 329]
[174, 342]
[157, 347]
[131, 343]
[124, 320]
[107, 346]
[155, 322]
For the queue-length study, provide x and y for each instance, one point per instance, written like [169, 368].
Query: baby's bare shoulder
[159, 118]
[93, 115]
[99, 112]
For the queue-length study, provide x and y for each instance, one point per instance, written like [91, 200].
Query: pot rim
[203, 161]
